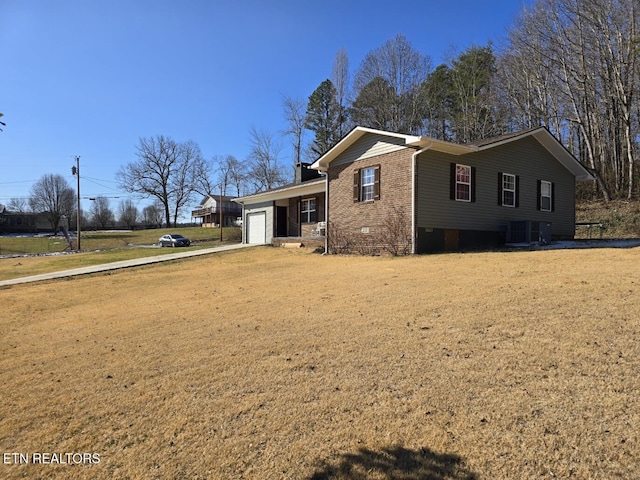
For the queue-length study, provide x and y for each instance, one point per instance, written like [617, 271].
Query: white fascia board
[300, 190]
[323, 162]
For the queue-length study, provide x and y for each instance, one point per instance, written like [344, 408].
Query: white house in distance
[208, 213]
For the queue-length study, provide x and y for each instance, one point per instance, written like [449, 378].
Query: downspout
[326, 213]
[244, 226]
[414, 161]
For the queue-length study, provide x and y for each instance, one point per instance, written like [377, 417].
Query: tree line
[571, 66]
[568, 65]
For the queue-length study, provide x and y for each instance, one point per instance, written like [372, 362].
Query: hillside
[621, 218]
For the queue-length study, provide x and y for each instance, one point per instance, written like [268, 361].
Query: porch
[307, 242]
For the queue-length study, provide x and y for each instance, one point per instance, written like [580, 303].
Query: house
[294, 211]
[208, 213]
[22, 222]
[428, 195]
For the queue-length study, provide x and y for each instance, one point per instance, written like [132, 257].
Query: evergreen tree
[472, 78]
[323, 117]
[373, 106]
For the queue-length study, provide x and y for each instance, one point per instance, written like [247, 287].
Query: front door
[281, 221]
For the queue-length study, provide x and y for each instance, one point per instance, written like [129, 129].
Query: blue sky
[91, 77]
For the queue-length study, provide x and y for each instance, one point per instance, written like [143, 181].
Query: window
[545, 196]
[366, 184]
[462, 183]
[308, 211]
[508, 189]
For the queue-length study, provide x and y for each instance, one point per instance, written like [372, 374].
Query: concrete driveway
[122, 264]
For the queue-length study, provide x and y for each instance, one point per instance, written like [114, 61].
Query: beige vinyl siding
[525, 158]
[268, 209]
[369, 146]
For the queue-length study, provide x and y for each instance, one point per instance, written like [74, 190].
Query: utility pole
[221, 217]
[76, 171]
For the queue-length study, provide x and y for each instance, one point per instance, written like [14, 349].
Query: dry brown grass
[277, 363]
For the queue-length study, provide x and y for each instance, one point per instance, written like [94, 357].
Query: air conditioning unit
[527, 231]
[544, 232]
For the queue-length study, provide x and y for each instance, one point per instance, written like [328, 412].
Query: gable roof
[541, 134]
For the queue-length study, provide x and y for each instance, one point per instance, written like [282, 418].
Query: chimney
[304, 173]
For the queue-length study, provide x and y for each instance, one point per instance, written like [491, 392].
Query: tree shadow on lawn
[394, 463]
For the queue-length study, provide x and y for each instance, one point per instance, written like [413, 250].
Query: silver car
[173, 240]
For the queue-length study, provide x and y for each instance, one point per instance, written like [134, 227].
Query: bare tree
[399, 71]
[153, 214]
[18, 204]
[264, 171]
[231, 173]
[165, 170]
[128, 213]
[204, 176]
[340, 79]
[294, 113]
[101, 214]
[183, 181]
[575, 65]
[54, 198]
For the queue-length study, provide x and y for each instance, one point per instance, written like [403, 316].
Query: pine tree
[323, 117]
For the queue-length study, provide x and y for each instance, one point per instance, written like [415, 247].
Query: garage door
[256, 228]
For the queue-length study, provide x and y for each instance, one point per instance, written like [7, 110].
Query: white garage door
[256, 228]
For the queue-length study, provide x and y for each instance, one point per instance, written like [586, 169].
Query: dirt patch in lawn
[280, 363]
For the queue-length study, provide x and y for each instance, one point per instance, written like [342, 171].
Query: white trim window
[367, 182]
[463, 183]
[508, 190]
[308, 210]
[546, 196]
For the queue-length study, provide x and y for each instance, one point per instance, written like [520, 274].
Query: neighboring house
[411, 194]
[430, 195]
[208, 213]
[22, 222]
[294, 211]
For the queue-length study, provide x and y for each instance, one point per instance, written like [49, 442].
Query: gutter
[414, 160]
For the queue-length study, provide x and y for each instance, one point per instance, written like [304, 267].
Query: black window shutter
[452, 181]
[517, 191]
[356, 185]
[553, 197]
[500, 188]
[539, 192]
[473, 184]
[376, 183]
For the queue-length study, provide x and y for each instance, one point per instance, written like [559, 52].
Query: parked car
[173, 240]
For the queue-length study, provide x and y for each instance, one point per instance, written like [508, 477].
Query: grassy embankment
[98, 247]
[279, 363]
[621, 220]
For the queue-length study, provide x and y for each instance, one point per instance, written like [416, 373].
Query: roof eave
[323, 162]
[307, 188]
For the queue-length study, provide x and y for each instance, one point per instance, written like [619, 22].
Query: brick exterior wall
[305, 229]
[367, 223]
